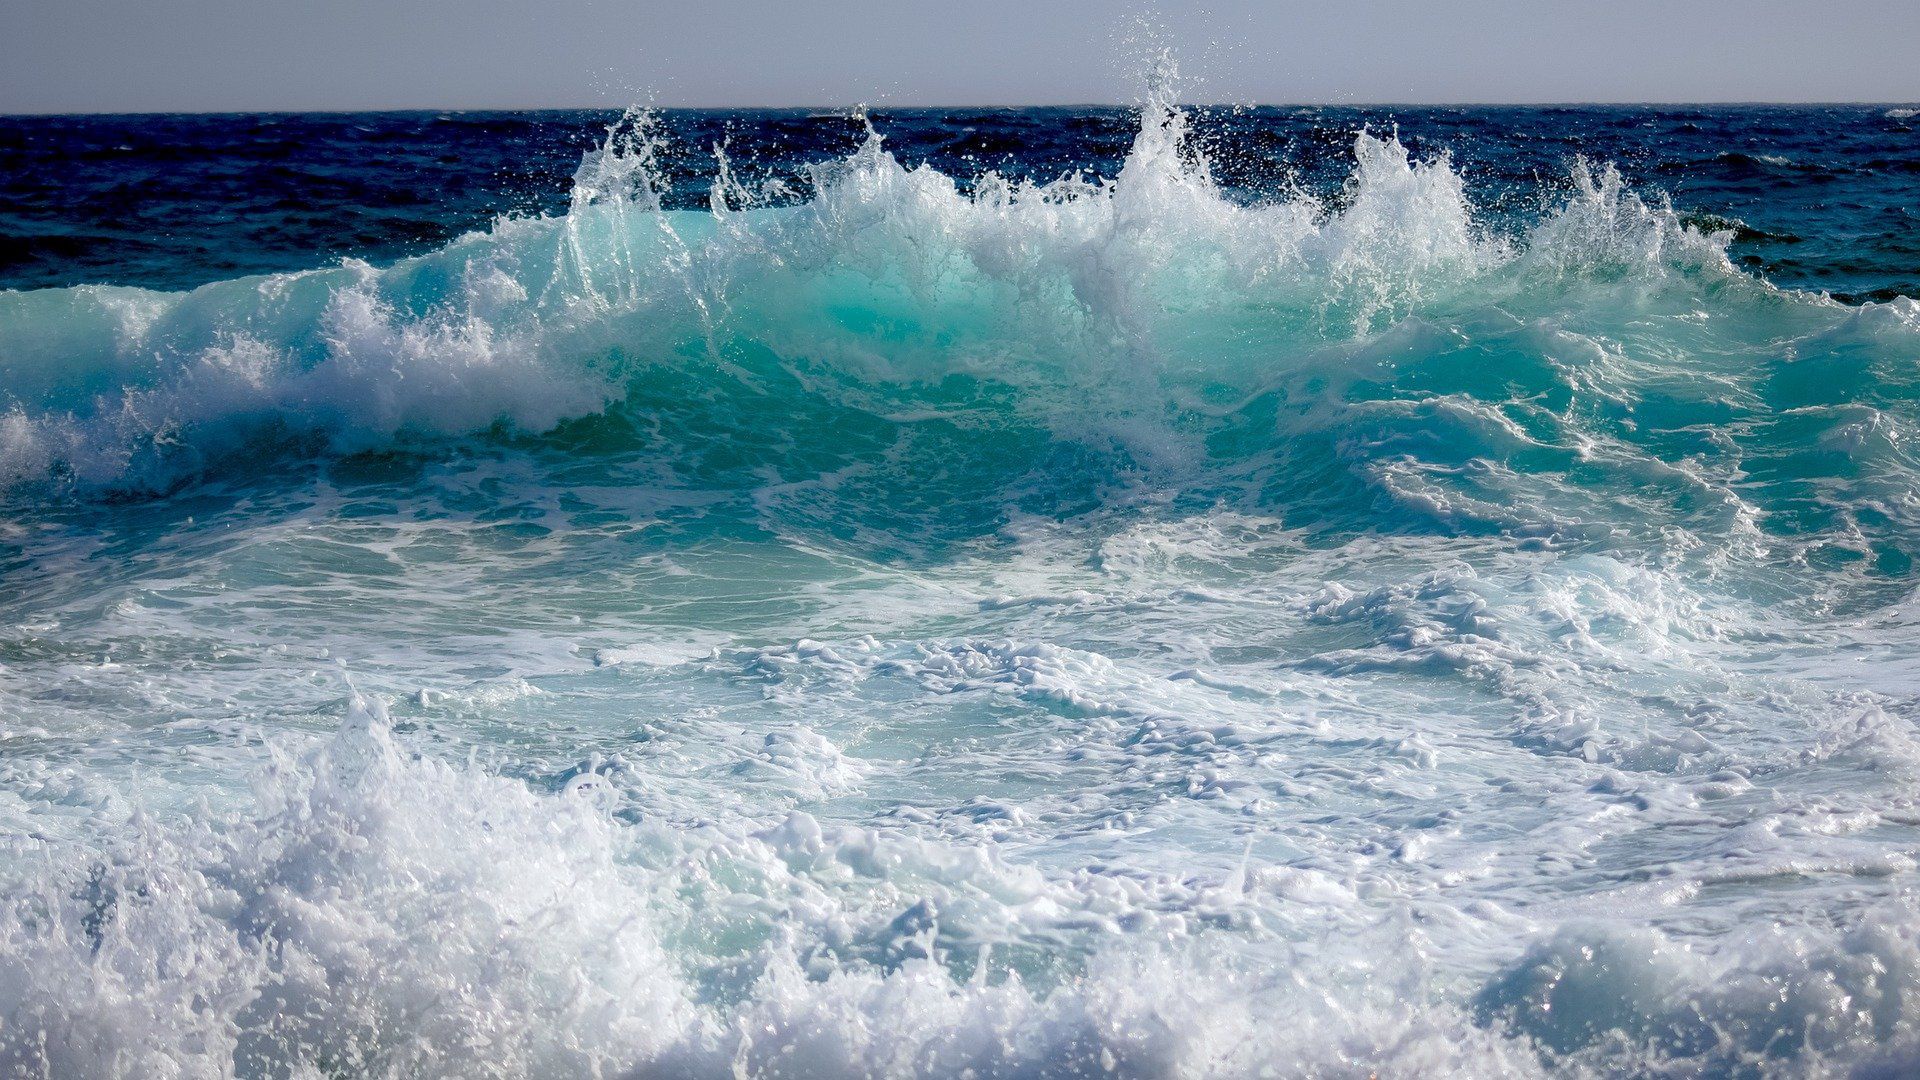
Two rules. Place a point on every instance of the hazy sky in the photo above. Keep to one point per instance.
(91, 55)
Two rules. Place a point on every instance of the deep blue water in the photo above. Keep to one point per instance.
(998, 594)
(1821, 197)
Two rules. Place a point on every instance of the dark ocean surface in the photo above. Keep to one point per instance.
(1820, 197)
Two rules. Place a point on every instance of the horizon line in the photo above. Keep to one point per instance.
(849, 108)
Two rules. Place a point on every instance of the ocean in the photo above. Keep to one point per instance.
(1147, 592)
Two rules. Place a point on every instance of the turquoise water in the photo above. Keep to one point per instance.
(1082, 627)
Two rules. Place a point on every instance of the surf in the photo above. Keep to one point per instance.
(938, 625)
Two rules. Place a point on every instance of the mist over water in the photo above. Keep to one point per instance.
(892, 623)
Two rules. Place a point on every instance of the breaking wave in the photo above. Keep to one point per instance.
(1137, 307)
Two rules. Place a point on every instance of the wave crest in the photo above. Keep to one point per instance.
(1109, 302)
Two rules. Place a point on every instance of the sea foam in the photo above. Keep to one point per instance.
(1105, 626)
